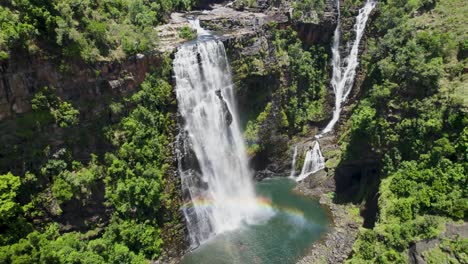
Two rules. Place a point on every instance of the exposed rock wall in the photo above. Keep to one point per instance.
(23, 75)
(322, 31)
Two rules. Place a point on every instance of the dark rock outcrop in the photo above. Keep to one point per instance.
(23, 75)
(320, 31)
(226, 113)
(452, 231)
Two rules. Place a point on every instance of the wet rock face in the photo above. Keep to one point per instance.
(184, 153)
(226, 113)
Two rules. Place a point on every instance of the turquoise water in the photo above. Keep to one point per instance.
(282, 239)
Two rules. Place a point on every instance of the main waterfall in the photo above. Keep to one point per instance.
(344, 71)
(220, 185)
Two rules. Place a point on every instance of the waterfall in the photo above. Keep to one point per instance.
(219, 186)
(344, 71)
(314, 161)
(293, 164)
(195, 23)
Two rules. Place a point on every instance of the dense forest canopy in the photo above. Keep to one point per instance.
(413, 116)
(91, 30)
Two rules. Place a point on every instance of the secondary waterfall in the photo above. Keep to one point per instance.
(344, 71)
(293, 164)
(220, 185)
(314, 161)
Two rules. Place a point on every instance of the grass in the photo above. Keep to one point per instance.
(450, 16)
(355, 213)
(436, 256)
(447, 16)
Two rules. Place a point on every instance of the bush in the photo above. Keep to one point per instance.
(414, 129)
(187, 33)
(64, 113)
(90, 30)
(9, 186)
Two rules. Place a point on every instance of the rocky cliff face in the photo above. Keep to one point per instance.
(322, 30)
(22, 75)
(89, 88)
(259, 77)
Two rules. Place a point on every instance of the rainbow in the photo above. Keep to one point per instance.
(262, 202)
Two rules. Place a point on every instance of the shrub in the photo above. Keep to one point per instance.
(187, 33)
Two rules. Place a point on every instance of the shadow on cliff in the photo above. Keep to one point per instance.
(357, 180)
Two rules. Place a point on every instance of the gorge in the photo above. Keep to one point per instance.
(221, 194)
(259, 131)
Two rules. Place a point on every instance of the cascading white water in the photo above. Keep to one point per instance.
(222, 192)
(195, 23)
(344, 71)
(293, 164)
(313, 162)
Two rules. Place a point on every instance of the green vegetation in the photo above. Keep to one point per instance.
(90, 30)
(241, 4)
(187, 33)
(62, 112)
(308, 10)
(51, 247)
(414, 124)
(306, 92)
(140, 196)
(300, 98)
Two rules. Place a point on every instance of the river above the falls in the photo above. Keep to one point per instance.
(284, 238)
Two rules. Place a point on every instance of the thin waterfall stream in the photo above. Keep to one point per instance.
(313, 162)
(293, 163)
(343, 76)
(344, 70)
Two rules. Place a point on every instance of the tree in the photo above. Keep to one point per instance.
(9, 186)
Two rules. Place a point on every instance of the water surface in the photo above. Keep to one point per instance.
(284, 238)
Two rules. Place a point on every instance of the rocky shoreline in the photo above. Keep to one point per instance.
(336, 245)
